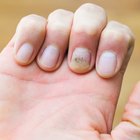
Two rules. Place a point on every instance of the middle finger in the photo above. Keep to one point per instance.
(89, 20)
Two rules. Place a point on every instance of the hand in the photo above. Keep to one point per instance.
(44, 99)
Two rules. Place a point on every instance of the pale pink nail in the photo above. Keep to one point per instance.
(24, 53)
(50, 56)
(107, 64)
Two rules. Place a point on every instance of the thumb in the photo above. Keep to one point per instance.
(129, 128)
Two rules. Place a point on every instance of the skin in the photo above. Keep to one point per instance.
(40, 103)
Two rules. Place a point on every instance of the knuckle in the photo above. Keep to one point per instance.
(29, 18)
(91, 7)
(86, 19)
(32, 22)
(113, 22)
(115, 35)
(60, 13)
(60, 20)
(121, 32)
(130, 34)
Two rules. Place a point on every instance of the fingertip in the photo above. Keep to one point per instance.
(80, 61)
(107, 64)
(49, 59)
(24, 54)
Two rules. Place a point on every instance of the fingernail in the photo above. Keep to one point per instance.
(50, 56)
(80, 61)
(107, 64)
(24, 53)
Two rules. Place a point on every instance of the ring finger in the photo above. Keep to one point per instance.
(56, 41)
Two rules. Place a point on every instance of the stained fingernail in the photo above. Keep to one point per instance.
(107, 64)
(80, 61)
(50, 56)
(24, 53)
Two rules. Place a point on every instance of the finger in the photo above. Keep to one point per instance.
(89, 21)
(129, 128)
(29, 37)
(115, 48)
(56, 41)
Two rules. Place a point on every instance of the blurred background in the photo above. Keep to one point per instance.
(125, 11)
